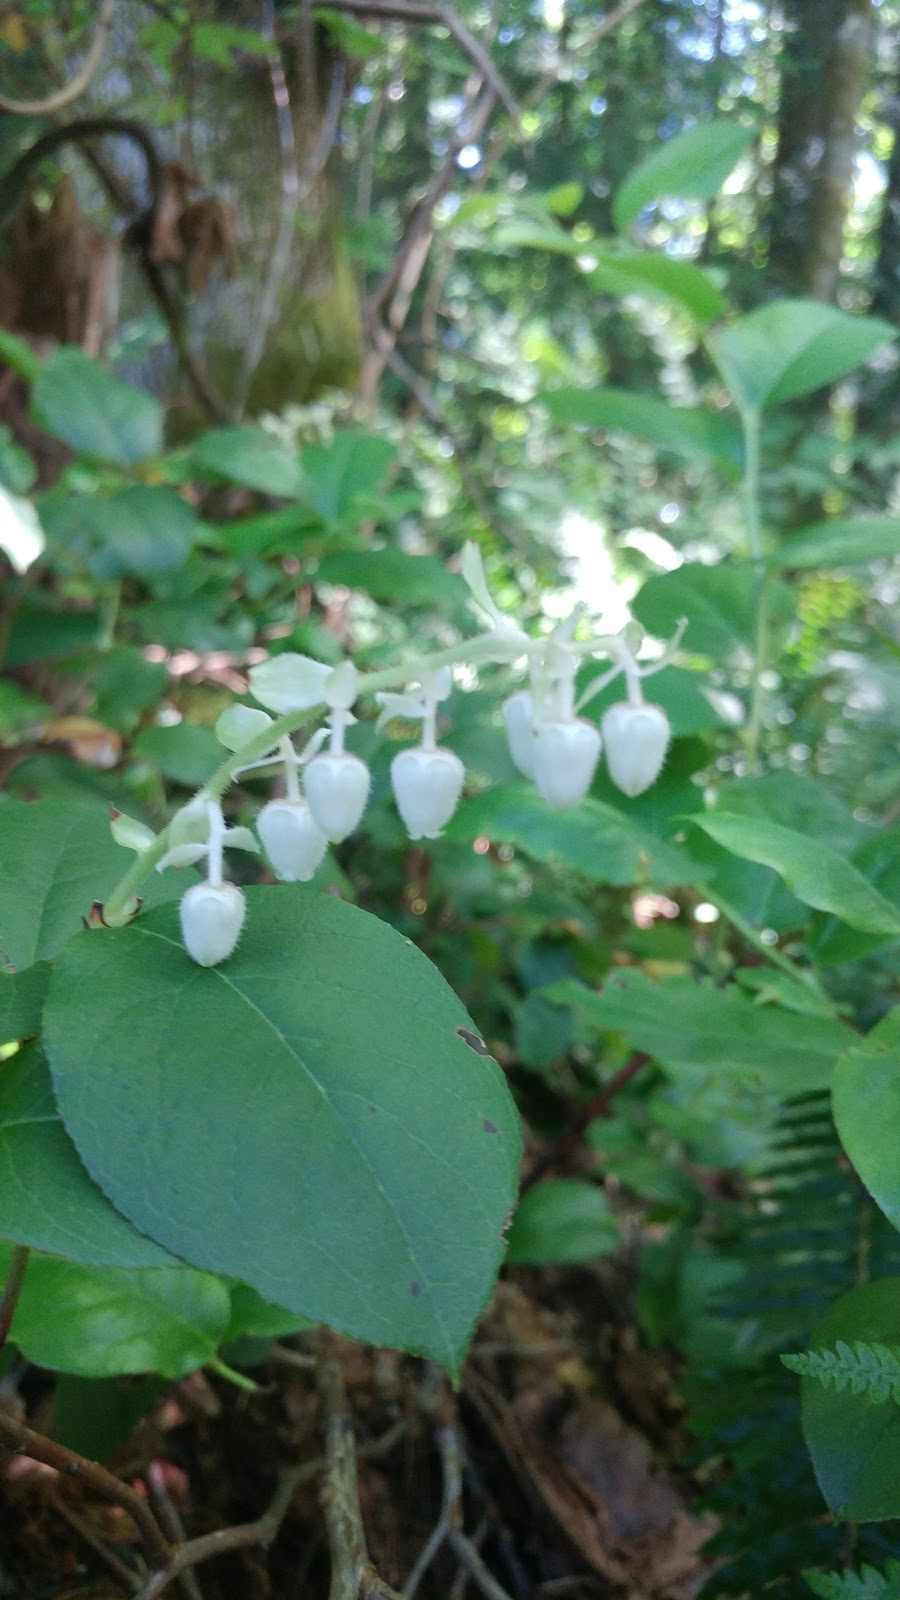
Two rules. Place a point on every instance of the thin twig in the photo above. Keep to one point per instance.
(598, 1106)
(15, 1277)
(449, 1527)
(122, 1572)
(261, 1532)
(172, 1525)
(20, 1439)
(76, 86)
(465, 1550)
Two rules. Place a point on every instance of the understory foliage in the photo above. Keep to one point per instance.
(343, 833)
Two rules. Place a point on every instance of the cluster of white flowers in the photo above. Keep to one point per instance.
(549, 741)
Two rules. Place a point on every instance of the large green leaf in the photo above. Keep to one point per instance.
(315, 1117)
(141, 532)
(594, 839)
(719, 604)
(353, 465)
(684, 1022)
(47, 1200)
(249, 456)
(816, 873)
(392, 575)
(842, 542)
(866, 1103)
(686, 430)
(56, 858)
(649, 271)
(691, 166)
(855, 1444)
(94, 413)
(100, 1321)
(792, 347)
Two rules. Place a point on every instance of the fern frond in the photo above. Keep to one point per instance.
(870, 1369)
(867, 1584)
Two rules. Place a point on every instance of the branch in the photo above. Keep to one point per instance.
(24, 1441)
(69, 91)
(598, 1106)
(449, 1527)
(352, 1575)
(262, 1531)
(444, 17)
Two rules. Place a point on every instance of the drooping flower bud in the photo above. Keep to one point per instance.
(212, 916)
(565, 760)
(518, 716)
(636, 739)
(337, 788)
(293, 842)
(427, 785)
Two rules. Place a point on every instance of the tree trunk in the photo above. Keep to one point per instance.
(824, 69)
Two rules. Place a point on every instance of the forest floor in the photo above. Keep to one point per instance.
(552, 1471)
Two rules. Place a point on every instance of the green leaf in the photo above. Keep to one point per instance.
(126, 685)
(22, 996)
(792, 347)
(867, 1584)
(686, 430)
(878, 859)
(643, 271)
(863, 1368)
(563, 1219)
(18, 354)
(56, 858)
(855, 1445)
(94, 1416)
(354, 464)
(595, 839)
(260, 1319)
(392, 575)
(187, 753)
(139, 532)
(691, 166)
(684, 1022)
(251, 457)
(315, 1117)
(47, 1200)
(94, 413)
(98, 1322)
(866, 1106)
(215, 41)
(815, 872)
(842, 542)
(719, 603)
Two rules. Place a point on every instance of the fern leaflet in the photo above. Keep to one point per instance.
(870, 1369)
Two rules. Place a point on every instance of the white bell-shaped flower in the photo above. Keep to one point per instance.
(518, 716)
(636, 739)
(427, 785)
(565, 760)
(212, 916)
(337, 788)
(293, 842)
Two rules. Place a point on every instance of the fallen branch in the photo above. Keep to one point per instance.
(352, 1575)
